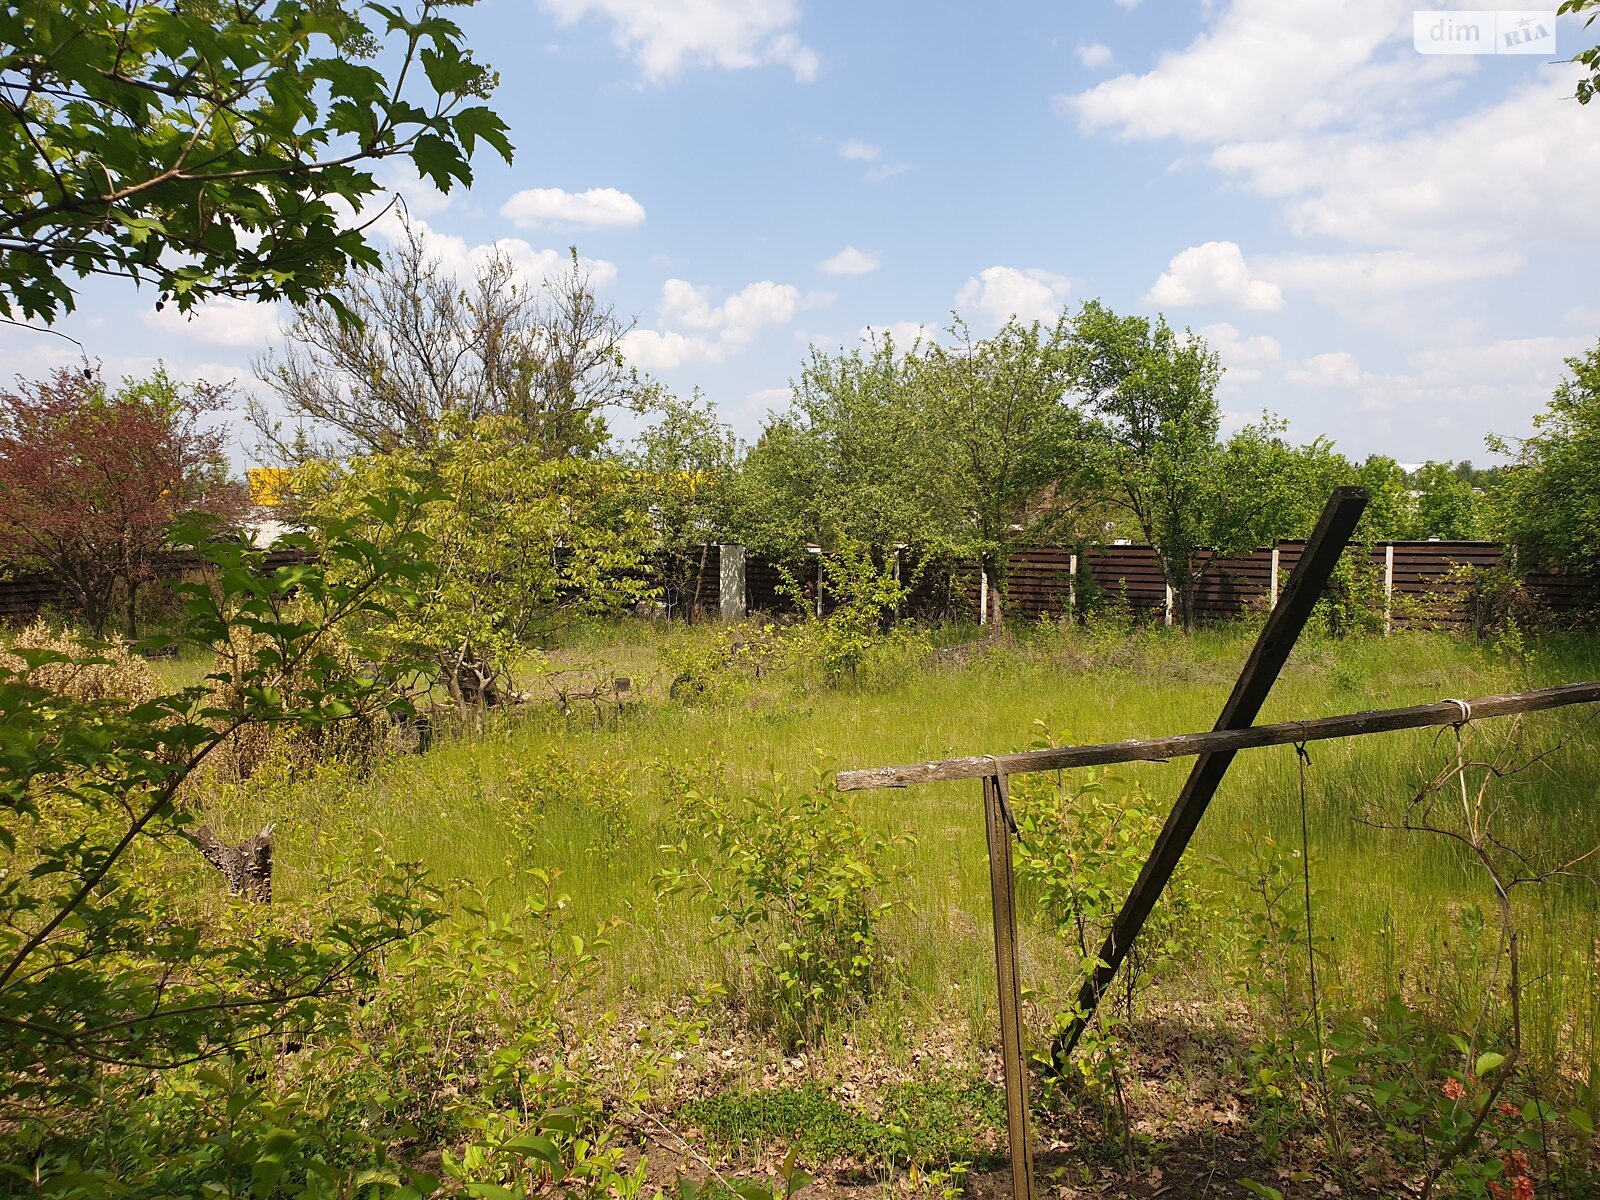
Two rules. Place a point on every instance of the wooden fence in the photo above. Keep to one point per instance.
(25, 597)
(1421, 584)
(1418, 583)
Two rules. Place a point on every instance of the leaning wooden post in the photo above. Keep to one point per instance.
(1288, 618)
(998, 828)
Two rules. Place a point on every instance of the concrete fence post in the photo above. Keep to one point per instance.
(1072, 583)
(1171, 596)
(983, 594)
(1272, 585)
(732, 593)
(1388, 588)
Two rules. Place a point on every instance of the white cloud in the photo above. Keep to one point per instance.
(1338, 369)
(653, 350)
(998, 293)
(887, 171)
(1525, 167)
(767, 400)
(1093, 54)
(903, 334)
(420, 197)
(553, 208)
(1337, 278)
(220, 321)
(851, 261)
(1585, 316)
(688, 307)
(856, 150)
(1538, 362)
(1497, 385)
(665, 36)
(1241, 356)
(720, 329)
(1267, 66)
(747, 312)
(1213, 274)
(534, 266)
(738, 318)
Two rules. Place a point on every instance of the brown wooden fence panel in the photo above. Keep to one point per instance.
(1432, 581)
(1231, 587)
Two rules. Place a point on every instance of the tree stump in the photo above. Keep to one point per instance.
(247, 867)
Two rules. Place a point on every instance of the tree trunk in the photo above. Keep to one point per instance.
(699, 575)
(133, 610)
(247, 867)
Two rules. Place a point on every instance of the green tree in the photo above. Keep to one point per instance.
(1154, 394)
(517, 543)
(1590, 58)
(1548, 503)
(1012, 450)
(216, 149)
(1388, 513)
(1261, 488)
(849, 464)
(427, 347)
(683, 468)
(1444, 504)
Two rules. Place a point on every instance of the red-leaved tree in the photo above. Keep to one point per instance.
(91, 480)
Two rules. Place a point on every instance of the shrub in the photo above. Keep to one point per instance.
(792, 879)
(277, 747)
(78, 669)
(713, 662)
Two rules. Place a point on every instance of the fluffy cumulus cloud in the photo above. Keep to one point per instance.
(1266, 66)
(1484, 384)
(851, 261)
(220, 321)
(1537, 361)
(1327, 111)
(663, 37)
(1213, 274)
(553, 208)
(1336, 370)
(533, 265)
(715, 330)
(1242, 356)
(903, 334)
(858, 151)
(1093, 54)
(1522, 168)
(1361, 276)
(997, 294)
(658, 350)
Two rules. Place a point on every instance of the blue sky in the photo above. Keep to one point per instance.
(1391, 249)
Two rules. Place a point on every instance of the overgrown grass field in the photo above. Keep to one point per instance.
(587, 795)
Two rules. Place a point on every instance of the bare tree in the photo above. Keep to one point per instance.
(427, 346)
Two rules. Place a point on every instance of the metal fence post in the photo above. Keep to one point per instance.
(998, 827)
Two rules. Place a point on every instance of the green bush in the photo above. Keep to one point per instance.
(797, 884)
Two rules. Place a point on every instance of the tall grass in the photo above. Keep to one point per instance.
(1404, 911)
